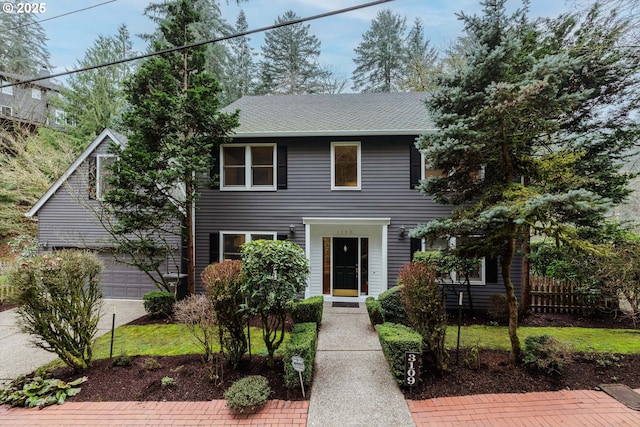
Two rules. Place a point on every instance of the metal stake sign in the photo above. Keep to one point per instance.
(298, 364)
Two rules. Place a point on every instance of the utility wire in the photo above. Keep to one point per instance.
(60, 16)
(192, 45)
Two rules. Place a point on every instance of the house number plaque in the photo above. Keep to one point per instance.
(411, 371)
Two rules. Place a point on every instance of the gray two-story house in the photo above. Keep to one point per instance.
(334, 173)
(29, 105)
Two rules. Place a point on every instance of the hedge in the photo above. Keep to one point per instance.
(307, 310)
(302, 342)
(396, 340)
(375, 311)
(392, 308)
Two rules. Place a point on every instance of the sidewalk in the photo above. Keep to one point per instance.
(353, 385)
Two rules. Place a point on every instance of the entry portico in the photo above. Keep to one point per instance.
(347, 257)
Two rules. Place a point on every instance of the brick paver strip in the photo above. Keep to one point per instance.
(213, 413)
(579, 408)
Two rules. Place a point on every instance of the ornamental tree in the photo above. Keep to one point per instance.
(175, 125)
(530, 134)
(275, 272)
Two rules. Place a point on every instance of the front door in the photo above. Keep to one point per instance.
(345, 267)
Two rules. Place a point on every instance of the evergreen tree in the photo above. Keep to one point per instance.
(175, 125)
(422, 61)
(290, 59)
(381, 57)
(530, 132)
(95, 99)
(239, 69)
(23, 44)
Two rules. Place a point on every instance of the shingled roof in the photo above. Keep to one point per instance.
(399, 113)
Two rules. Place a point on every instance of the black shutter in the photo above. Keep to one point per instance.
(415, 166)
(214, 173)
(282, 167)
(283, 237)
(491, 269)
(416, 245)
(214, 247)
(92, 176)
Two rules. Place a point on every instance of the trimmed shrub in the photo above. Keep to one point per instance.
(159, 304)
(302, 342)
(423, 302)
(498, 308)
(307, 310)
(60, 297)
(545, 353)
(375, 311)
(396, 340)
(223, 282)
(248, 393)
(196, 312)
(392, 308)
(275, 272)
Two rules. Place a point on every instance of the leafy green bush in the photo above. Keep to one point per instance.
(275, 272)
(307, 310)
(196, 312)
(421, 297)
(59, 296)
(122, 360)
(396, 340)
(159, 304)
(545, 353)
(375, 311)
(223, 282)
(39, 392)
(248, 393)
(392, 308)
(302, 342)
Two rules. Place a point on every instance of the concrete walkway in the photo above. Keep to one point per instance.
(353, 385)
(20, 357)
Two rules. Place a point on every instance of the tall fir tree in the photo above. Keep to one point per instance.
(175, 125)
(381, 57)
(239, 72)
(529, 135)
(290, 59)
(422, 61)
(95, 99)
(23, 44)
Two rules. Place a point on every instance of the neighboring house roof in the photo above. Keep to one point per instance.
(46, 83)
(398, 113)
(116, 137)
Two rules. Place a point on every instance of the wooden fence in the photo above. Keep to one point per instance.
(4, 266)
(550, 295)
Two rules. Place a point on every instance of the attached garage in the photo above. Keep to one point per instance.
(123, 281)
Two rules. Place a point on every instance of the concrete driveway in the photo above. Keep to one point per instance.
(20, 357)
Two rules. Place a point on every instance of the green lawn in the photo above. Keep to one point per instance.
(161, 340)
(623, 341)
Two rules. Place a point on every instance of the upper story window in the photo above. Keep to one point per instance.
(103, 172)
(248, 167)
(6, 111)
(232, 241)
(346, 166)
(6, 90)
(36, 93)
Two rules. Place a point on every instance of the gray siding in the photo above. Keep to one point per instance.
(24, 106)
(385, 193)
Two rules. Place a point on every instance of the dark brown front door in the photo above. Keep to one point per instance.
(345, 267)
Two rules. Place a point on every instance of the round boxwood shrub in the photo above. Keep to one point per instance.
(392, 308)
(159, 304)
(248, 393)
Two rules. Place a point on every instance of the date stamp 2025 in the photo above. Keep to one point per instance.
(24, 7)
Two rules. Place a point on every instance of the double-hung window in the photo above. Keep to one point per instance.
(346, 166)
(476, 273)
(6, 90)
(232, 241)
(248, 167)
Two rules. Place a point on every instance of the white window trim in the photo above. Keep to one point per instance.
(247, 238)
(333, 166)
(6, 90)
(99, 158)
(36, 93)
(247, 169)
(454, 274)
(2, 107)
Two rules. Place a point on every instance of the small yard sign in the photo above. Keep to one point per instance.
(298, 364)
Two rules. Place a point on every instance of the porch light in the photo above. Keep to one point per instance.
(292, 229)
(403, 232)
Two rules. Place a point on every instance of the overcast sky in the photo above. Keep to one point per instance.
(71, 35)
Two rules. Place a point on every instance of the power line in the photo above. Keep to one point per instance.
(189, 46)
(61, 15)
